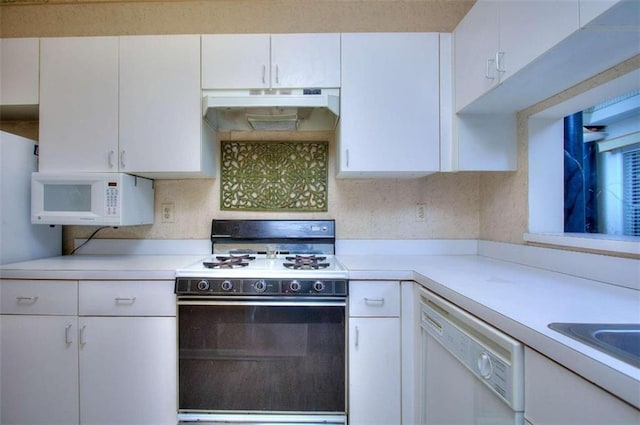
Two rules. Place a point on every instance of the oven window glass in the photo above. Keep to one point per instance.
(262, 358)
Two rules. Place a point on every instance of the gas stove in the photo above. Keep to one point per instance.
(240, 265)
(262, 326)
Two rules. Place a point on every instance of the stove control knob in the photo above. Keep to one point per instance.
(226, 285)
(318, 285)
(203, 285)
(260, 285)
(294, 285)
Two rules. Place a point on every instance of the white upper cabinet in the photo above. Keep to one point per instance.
(389, 114)
(128, 104)
(305, 60)
(235, 61)
(528, 28)
(79, 104)
(19, 71)
(160, 106)
(263, 61)
(476, 44)
(496, 39)
(542, 49)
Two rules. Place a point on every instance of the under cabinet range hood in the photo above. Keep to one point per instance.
(272, 110)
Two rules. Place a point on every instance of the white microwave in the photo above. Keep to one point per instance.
(91, 199)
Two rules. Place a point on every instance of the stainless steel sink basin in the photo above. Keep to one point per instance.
(620, 340)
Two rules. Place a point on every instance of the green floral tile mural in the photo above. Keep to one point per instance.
(274, 176)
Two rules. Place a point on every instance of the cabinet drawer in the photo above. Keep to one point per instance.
(380, 299)
(52, 297)
(127, 298)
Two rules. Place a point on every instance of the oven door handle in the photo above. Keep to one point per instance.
(281, 303)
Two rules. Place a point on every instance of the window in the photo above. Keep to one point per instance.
(546, 168)
(631, 192)
(598, 185)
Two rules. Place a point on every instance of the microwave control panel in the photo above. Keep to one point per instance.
(112, 200)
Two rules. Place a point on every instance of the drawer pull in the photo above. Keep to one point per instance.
(374, 301)
(67, 335)
(125, 300)
(26, 300)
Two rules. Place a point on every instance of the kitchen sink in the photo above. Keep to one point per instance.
(621, 340)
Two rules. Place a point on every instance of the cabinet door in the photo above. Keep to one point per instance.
(79, 104)
(528, 28)
(19, 71)
(39, 363)
(389, 118)
(374, 371)
(476, 42)
(555, 395)
(160, 104)
(235, 61)
(305, 60)
(128, 370)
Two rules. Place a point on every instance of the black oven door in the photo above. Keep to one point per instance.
(262, 356)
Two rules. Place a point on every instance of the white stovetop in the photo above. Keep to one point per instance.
(264, 268)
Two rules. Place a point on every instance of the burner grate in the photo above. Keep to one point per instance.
(305, 262)
(229, 262)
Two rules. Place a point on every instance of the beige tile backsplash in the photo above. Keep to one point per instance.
(366, 209)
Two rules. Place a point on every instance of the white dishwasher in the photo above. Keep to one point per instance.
(471, 373)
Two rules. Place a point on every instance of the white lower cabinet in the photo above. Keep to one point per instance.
(39, 370)
(556, 396)
(39, 352)
(374, 353)
(127, 370)
(89, 352)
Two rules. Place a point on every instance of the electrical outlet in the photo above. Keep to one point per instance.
(168, 213)
(421, 212)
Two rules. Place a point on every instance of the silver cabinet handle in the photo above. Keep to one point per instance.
(264, 74)
(374, 301)
(357, 342)
(110, 158)
(67, 335)
(346, 154)
(499, 61)
(26, 300)
(487, 73)
(125, 300)
(122, 158)
(277, 74)
(83, 341)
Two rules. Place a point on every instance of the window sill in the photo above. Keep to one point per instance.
(626, 245)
